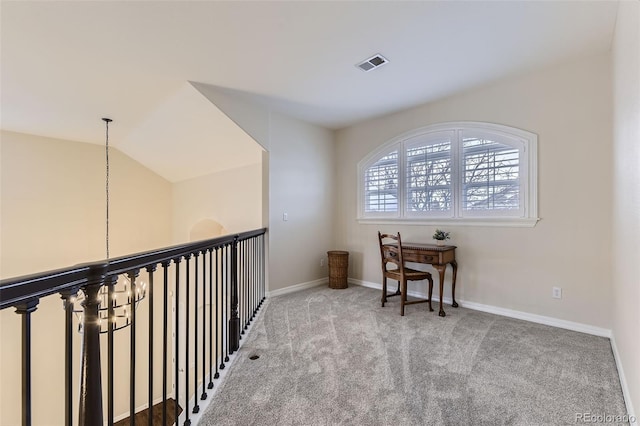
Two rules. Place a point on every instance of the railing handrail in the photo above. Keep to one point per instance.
(24, 288)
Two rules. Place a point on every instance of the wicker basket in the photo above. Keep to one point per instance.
(338, 268)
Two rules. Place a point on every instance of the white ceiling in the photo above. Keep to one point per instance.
(64, 65)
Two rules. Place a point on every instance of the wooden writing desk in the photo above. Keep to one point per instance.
(438, 257)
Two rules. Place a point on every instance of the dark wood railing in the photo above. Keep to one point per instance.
(220, 284)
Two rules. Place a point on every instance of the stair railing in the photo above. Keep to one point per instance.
(208, 293)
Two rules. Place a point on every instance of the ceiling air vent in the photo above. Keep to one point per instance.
(372, 63)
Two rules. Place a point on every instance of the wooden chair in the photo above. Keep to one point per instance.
(391, 253)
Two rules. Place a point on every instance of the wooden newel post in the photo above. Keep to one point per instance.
(234, 321)
(90, 374)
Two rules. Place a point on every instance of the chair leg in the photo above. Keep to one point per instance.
(403, 297)
(384, 290)
(398, 289)
(430, 292)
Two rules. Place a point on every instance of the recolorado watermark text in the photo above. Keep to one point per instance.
(604, 418)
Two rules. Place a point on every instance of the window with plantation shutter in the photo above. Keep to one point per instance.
(491, 175)
(472, 173)
(381, 185)
(428, 172)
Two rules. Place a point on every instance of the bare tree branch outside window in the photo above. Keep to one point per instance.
(381, 185)
(491, 175)
(429, 177)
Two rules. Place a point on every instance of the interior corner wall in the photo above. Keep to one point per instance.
(252, 117)
(626, 199)
(301, 178)
(569, 107)
(232, 197)
(52, 204)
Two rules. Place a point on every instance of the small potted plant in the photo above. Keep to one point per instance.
(440, 237)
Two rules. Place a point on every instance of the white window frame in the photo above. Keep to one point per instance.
(526, 142)
(361, 188)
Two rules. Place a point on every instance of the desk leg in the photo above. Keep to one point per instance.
(454, 265)
(441, 269)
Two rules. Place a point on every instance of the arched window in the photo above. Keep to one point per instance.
(452, 172)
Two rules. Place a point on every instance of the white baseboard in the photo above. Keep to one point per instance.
(540, 319)
(623, 380)
(297, 287)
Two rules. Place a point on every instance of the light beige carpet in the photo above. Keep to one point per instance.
(335, 357)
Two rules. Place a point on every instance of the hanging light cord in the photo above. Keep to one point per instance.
(107, 121)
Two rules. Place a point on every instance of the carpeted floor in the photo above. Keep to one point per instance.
(329, 357)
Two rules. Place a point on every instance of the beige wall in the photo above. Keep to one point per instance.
(626, 197)
(53, 215)
(301, 180)
(569, 108)
(299, 172)
(53, 204)
(233, 198)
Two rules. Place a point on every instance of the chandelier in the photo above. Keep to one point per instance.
(126, 290)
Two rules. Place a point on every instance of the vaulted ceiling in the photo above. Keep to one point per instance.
(66, 64)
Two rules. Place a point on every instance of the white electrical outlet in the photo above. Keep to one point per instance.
(556, 293)
(322, 262)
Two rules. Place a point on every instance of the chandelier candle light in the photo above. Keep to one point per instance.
(120, 294)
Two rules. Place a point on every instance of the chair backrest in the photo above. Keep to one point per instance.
(391, 250)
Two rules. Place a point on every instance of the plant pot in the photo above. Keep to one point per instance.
(439, 242)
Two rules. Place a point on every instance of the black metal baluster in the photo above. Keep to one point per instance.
(245, 267)
(187, 257)
(211, 354)
(196, 407)
(25, 310)
(218, 311)
(132, 350)
(110, 283)
(245, 284)
(263, 272)
(176, 327)
(204, 324)
(68, 297)
(238, 271)
(234, 320)
(252, 275)
(249, 270)
(223, 314)
(256, 276)
(259, 271)
(249, 281)
(151, 269)
(227, 278)
(252, 281)
(165, 338)
(254, 285)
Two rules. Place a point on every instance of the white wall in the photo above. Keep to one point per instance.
(626, 198)
(233, 198)
(569, 107)
(52, 216)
